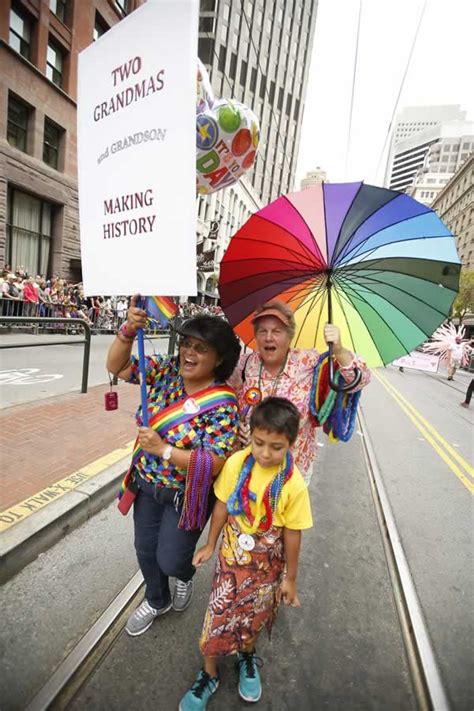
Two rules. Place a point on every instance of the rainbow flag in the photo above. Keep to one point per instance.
(160, 308)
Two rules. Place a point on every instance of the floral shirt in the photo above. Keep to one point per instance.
(294, 383)
(214, 430)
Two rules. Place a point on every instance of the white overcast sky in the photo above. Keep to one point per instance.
(441, 72)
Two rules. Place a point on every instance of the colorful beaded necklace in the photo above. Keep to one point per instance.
(238, 503)
(334, 412)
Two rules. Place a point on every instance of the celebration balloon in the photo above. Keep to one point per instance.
(205, 96)
(227, 137)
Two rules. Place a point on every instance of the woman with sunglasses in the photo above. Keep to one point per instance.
(193, 417)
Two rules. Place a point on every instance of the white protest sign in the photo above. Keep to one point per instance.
(419, 361)
(137, 153)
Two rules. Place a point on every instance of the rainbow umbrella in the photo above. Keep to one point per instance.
(377, 263)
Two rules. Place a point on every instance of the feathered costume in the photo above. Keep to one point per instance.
(446, 338)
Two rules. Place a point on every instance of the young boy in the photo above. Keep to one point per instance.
(262, 505)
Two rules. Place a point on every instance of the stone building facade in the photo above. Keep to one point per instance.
(39, 45)
(455, 206)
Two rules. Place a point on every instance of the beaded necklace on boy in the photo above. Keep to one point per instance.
(239, 501)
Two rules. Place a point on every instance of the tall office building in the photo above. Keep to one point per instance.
(416, 128)
(257, 53)
(39, 45)
(439, 150)
(313, 177)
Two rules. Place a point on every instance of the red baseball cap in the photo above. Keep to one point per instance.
(270, 311)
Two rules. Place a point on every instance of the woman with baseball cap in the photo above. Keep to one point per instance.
(276, 369)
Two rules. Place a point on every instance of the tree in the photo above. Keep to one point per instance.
(464, 301)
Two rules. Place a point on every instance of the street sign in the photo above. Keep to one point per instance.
(137, 154)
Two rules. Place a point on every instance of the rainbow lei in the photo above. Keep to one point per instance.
(196, 493)
(334, 412)
(239, 501)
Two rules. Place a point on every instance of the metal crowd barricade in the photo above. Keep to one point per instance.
(7, 320)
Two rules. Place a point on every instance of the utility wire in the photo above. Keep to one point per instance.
(266, 90)
(352, 95)
(401, 88)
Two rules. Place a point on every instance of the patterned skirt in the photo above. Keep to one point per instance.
(245, 591)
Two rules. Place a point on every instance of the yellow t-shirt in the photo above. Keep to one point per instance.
(293, 509)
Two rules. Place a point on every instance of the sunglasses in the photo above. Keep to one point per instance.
(188, 344)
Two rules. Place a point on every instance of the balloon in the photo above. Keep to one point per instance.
(227, 137)
(205, 96)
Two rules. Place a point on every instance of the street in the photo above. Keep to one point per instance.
(28, 374)
(345, 642)
(430, 491)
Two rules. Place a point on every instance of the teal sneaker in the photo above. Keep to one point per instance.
(250, 686)
(199, 694)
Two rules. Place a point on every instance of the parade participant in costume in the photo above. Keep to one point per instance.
(299, 375)
(262, 505)
(446, 342)
(193, 417)
(455, 356)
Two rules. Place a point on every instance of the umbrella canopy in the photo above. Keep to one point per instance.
(388, 261)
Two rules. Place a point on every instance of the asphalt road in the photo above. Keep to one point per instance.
(29, 374)
(424, 446)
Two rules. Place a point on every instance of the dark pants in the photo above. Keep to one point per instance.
(469, 392)
(163, 550)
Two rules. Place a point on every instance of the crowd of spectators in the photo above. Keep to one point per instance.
(25, 295)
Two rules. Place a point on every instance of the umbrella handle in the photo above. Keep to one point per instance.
(347, 386)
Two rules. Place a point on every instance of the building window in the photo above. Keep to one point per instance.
(206, 46)
(263, 86)
(20, 33)
(17, 128)
(59, 7)
(100, 27)
(206, 24)
(123, 6)
(280, 98)
(208, 5)
(51, 143)
(222, 58)
(297, 110)
(271, 96)
(54, 64)
(233, 66)
(289, 99)
(253, 80)
(29, 232)
(243, 73)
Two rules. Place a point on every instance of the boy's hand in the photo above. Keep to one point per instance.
(203, 555)
(288, 593)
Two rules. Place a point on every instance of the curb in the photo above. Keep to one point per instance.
(22, 543)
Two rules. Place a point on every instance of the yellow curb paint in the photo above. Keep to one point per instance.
(455, 455)
(460, 475)
(34, 503)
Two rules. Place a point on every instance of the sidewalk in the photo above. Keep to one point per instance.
(59, 454)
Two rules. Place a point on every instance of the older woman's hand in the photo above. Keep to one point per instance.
(244, 432)
(333, 335)
(136, 318)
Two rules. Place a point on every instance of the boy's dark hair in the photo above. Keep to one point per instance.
(276, 414)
